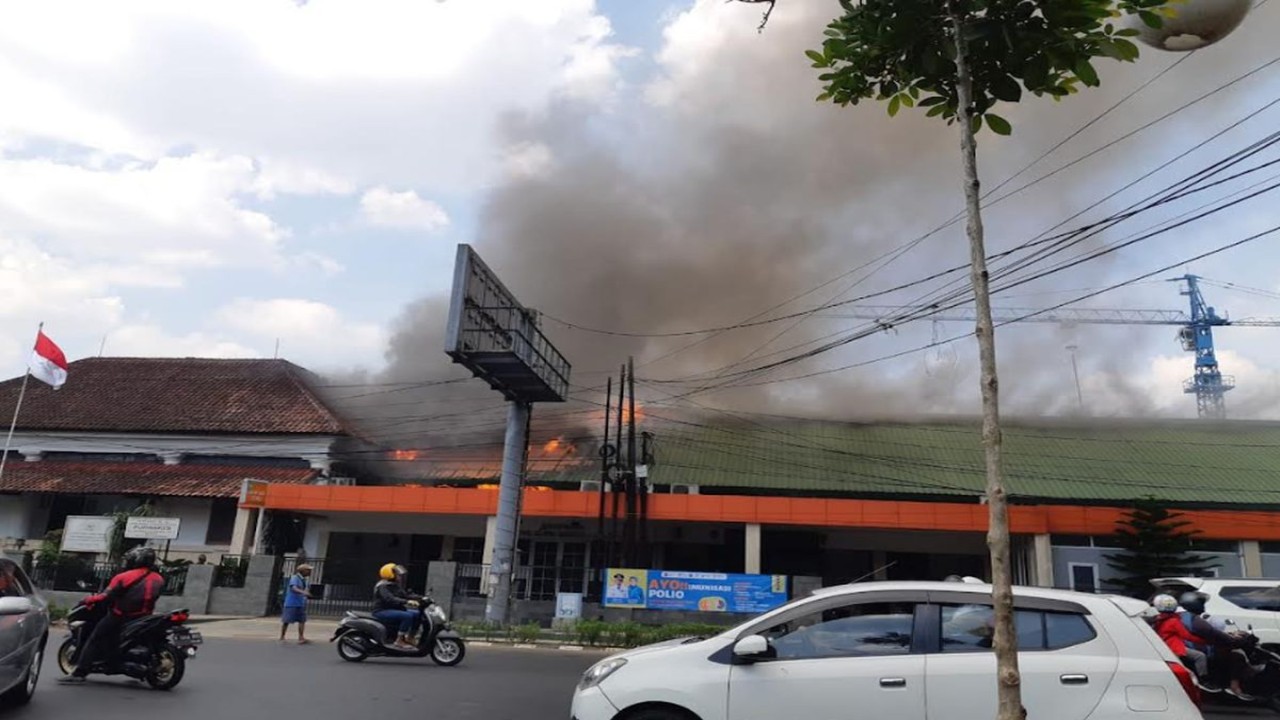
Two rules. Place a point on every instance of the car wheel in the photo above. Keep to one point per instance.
(660, 713)
(22, 693)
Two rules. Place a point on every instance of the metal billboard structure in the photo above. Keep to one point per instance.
(495, 337)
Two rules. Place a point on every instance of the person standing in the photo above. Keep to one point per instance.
(296, 594)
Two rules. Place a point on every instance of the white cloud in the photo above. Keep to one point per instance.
(401, 92)
(305, 329)
(387, 208)
(528, 160)
(146, 340)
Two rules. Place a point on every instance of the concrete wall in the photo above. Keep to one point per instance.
(16, 514)
(260, 584)
(1229, 564)
(194, 597)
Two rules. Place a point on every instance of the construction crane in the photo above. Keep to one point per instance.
(1195, 332)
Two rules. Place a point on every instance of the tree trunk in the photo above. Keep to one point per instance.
(1008, 680)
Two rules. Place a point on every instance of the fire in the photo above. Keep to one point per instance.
(404, 454)
(552, 445)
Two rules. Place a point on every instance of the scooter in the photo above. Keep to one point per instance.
(1263, 685)
(154, 649)
(360, 635)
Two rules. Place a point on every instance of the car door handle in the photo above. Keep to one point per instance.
(893, 682)
(1074, 679)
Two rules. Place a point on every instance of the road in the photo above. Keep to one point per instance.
(260, 679)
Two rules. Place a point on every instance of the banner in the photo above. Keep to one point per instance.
(693, 591)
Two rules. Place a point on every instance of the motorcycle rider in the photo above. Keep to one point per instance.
(1229, 647)
(130, 594)
(395, 606)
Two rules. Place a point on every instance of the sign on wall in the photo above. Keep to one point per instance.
(87, 533)
(253, 494)
(693, 591)
(152, 528)
(568, 606)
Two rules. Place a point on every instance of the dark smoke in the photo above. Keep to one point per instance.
(740, 192)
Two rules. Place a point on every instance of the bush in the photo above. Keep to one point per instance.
(527, 633)
(57, 613)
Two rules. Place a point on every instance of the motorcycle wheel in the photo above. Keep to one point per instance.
(66, 652)
(170, 666)
(349, 649)
(448, 652)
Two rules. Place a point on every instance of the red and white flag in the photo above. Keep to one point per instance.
(47, 362)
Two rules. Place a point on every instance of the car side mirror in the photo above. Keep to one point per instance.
(752, 648)
(15, 606)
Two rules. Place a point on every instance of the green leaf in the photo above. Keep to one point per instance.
(894, 105)
(936, 110)
(1084, 70)
(823, 97)
(1006, 89)
(833, 33)
(1111, 50)
(975, 123)
(932, 100)
(1128, 49)
(999, 125)
(1151, 19)
(819, 60)
(906, 100)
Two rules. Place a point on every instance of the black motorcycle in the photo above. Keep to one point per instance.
(360, 635)
(154, 649)
(1262, 685)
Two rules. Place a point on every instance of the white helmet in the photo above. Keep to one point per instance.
(1165, 603)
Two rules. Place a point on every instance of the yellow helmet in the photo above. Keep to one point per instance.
(390, 571)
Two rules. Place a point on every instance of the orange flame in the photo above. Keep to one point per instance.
(552, 445)
(404, 454)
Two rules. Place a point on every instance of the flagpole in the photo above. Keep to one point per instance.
(8, 441)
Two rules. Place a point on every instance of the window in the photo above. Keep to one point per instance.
(867, 629)
(222, 522)
(10, 585)
(1084, 577)
(468, 551)
(1253, 597)
(970, 628)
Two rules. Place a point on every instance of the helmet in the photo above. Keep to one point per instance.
(1193, 602)
(390, 571)
(1165, 603)
(140, 557)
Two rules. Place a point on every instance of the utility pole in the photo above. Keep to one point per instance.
(1075, 370)
(633, 496)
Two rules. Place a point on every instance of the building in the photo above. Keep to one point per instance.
(825, 502)
(180, 434)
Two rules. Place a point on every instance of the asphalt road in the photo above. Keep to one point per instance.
(253, 679)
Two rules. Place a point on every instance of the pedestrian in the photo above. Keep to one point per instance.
(296, 593)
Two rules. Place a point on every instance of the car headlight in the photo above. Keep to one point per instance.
(601, 670)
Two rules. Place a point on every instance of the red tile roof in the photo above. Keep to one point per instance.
(181, 395)
(122, 478)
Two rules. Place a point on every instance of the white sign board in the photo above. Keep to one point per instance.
(568, 606)
(152, 528)
(87, 533)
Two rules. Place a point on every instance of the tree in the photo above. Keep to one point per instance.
(1154, 542)
(117, 543)
(958, 59)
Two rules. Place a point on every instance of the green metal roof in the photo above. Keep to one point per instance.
(1184, 462)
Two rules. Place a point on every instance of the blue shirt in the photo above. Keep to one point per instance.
(293, 598)
(635, 595)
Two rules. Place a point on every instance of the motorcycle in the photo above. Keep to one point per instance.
(154, 648)
(360, 635)
(1262, 685)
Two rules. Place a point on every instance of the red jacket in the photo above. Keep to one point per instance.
(1170, 629)
(132, 593)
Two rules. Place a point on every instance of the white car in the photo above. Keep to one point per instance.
(901, 650)
(1247, 602)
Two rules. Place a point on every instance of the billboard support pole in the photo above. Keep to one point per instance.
(504, 543)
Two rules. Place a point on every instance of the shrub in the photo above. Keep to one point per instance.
(527, 633)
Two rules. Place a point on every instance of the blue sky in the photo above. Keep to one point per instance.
(208, 178)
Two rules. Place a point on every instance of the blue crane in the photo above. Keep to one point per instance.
(1195, 332)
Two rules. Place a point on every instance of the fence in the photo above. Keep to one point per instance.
(539, 582)
(87, 577)
(340, 584)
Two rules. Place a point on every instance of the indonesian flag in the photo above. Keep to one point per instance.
(47, 362)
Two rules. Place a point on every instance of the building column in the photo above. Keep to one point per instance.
(751, 559)
(1251, 557)
(880, 565)
(490, 537)
(242, 535)
(1042, 551)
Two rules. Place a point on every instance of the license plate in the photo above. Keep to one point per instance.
(188, 638)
